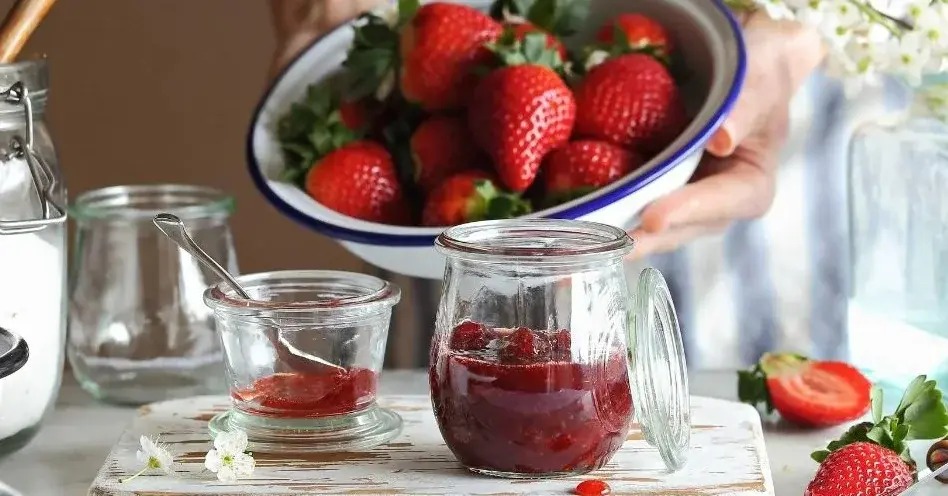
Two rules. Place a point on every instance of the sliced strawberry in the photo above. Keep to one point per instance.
(813, 393)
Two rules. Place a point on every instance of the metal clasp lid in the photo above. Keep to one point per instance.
(44, 180)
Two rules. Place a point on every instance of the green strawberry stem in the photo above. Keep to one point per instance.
(920, 415)
(532, 49)
(559, 17)
(493, 204)
(312, 129)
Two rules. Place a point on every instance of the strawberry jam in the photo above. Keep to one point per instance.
(522, 404)
(320, 394)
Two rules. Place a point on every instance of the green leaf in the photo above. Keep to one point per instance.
(752, 388)
(532, 49)
(876, 400)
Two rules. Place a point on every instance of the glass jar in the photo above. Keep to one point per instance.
(898, 302)
(32, 251)
(14, 353)
(541, 353)
(303, 359)
(139, 330)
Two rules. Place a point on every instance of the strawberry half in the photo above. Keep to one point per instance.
(584, 166)
(440, 48)
(635, 32)
(806, 392)
(359, 180)
(440, 147)
(470, 196)
(873, 458)
(631, 101)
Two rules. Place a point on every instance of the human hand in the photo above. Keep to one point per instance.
(736, 178)
(298, 22)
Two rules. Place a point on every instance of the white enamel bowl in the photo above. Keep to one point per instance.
(707, 39)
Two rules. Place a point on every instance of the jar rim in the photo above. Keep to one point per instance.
(534, 239)
(372, 292)
(143, 202)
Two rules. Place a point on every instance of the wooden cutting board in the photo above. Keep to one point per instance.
(728, 457)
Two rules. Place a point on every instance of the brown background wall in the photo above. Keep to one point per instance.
(159, 91)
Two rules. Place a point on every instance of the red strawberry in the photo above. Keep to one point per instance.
(440, 48)
(440, 147)
(861, 469)
(631, 101)
(522, 29)
(636, 32)
(583, 166)
(470, 196)
(806, 392)
(359, 180)
(356, 114)
(523, 112)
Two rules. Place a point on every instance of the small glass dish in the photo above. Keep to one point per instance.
(282, 396)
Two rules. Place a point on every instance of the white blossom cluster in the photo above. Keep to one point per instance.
(870, 38)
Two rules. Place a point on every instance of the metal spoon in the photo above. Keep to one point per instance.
(172, 227)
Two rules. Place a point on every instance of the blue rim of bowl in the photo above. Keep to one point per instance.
(576, 211)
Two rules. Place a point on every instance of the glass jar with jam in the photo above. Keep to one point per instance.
(303, 358)
(543, 355)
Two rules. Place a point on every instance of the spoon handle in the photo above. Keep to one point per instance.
(21, 21)
(172, 226)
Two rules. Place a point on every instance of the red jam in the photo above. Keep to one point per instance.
(516, 402)
(322, 394)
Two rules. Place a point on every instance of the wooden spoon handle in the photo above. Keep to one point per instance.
(19, 25)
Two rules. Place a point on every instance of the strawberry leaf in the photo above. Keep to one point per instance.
(532, 49)
(752, 388)
(490, 203)
(921, 414)
(559, 17)
(406, 11)
(373, 56)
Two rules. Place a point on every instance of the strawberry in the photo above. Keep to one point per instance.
(630, 101)
(873, 458)
(523, 112)
(440, 147)
(861, 469)
(470, 196)
(635, 32)
(440, 48)
(584, 166)
(806, 392)
(522, 29)
(359, 180)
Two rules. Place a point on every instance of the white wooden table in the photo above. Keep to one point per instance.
(65, 457)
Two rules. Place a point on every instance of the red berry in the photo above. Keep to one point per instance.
(561, 343)
(525, 346)
(593, 487)
(469, 336)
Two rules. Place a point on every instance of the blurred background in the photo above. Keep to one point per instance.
(162, 92)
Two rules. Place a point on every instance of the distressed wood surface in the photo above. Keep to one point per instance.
(728, 457)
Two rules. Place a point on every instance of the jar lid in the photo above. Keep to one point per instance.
(657, 365)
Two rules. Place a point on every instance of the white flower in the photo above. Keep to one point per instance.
(229, 459)
(777, 9)
(155, 456)
(936, 99)
(908, 57)
(595, 58)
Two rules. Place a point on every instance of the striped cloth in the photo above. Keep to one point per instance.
(776, 283)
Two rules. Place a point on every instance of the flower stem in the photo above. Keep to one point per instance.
(874, 15)
(140, 472)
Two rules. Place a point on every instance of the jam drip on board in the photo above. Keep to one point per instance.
(516, 401)
(309, 395)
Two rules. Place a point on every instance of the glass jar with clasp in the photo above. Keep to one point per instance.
(541, 350)
(32, 251)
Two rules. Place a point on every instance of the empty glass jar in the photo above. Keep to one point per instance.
(303, 359)
(542, 353)
(139, 330)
